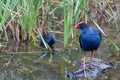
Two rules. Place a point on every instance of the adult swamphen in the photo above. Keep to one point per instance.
(49, 38)
(90, 39)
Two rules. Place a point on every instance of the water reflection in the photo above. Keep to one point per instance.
(29, 62)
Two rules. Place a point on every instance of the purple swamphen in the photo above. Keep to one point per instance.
(90, 39)
(49, 38)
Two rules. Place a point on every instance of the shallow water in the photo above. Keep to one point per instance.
(29, 62)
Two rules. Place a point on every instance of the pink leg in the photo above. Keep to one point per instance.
(84, 66)
(91, 58)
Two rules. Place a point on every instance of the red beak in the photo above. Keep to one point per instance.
(77, 26)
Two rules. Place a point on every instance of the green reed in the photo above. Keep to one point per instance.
(72, 14)
(30, 12)
(31, 16)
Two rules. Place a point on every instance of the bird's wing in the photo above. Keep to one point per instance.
(97, 31)
(89, 35)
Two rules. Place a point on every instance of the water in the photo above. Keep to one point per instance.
(29, 62)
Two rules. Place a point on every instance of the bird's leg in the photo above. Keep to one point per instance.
(84, 64)
(91, 60)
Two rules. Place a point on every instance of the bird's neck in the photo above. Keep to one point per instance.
(85, 28)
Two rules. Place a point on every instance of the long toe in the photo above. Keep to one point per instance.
(93, 65)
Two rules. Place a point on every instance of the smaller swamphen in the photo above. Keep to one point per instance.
(90, 39)
(49, 38)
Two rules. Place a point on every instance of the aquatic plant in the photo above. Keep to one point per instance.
(23, 20)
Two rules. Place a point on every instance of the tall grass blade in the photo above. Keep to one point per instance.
(68, 19)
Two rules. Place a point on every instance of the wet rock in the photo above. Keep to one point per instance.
(92, 72)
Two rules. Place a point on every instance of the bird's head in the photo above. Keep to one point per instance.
(81, 25)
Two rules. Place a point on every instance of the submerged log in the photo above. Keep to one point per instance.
(93, 71)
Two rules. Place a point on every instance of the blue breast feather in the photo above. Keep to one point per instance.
(90, 39)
